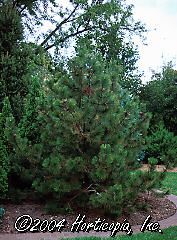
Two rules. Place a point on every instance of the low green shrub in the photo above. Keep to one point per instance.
(162, 145)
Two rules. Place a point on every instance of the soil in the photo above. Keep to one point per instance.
(158, 207)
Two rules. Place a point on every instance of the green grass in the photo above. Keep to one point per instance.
(170, 183)
(168, 234)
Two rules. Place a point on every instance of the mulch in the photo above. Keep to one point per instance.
(158, 207)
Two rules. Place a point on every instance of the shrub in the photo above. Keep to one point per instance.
(162, 145)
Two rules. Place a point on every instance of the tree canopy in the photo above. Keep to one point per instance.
(160, 96)
(108, 24)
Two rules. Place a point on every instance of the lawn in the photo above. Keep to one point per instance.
(168, 234)
(170, 183)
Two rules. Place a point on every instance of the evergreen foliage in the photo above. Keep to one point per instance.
(13, 61)
(21, 137)
(70, 132)
(4, 160)
(92, 132)
(18, 60)
(160, 96)
(162, 145)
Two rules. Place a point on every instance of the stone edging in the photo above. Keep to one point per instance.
(165, 223)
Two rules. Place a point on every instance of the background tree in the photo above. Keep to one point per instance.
(13, 63)
(22, 73)
(18, 59)
(109, 24)
(160, 96)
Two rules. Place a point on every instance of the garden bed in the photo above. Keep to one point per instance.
(158, 207)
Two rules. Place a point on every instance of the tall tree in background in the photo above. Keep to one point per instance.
(21, 71)
(12, 68)
(14, 60)
(160, 96)
(109, 24)
(18, 59)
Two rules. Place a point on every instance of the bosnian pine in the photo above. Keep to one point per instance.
(92, 132)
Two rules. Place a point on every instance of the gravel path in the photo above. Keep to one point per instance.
(171, 221)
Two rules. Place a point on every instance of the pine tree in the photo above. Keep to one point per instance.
(91, 136)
